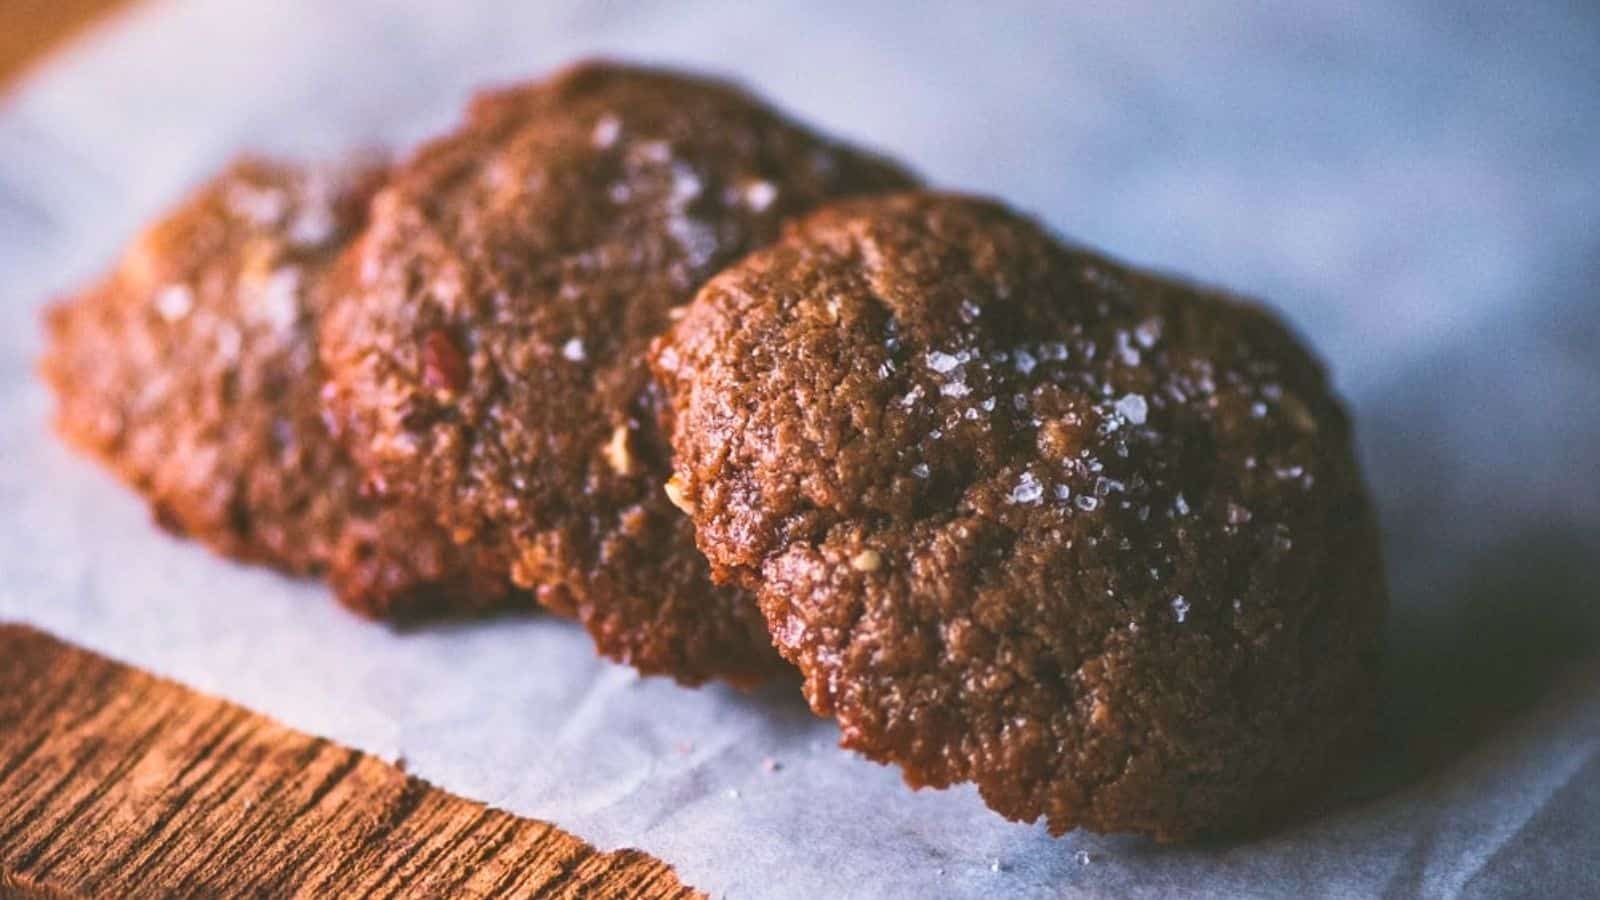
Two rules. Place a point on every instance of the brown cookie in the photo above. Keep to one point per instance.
(490, 359)
(1026, 517)
(191, 371)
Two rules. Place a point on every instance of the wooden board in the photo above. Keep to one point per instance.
(30, 28)
(116, 783)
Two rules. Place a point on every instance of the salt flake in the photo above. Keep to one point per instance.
(1133, 408)
(279, 299)
(942, 362)
(174, 302)
(606, 130)
(1180, 608)
(758, 195)
(1028, 489)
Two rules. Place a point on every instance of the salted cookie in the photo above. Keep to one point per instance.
(490, 356)
(191, 371)
(1026, 517)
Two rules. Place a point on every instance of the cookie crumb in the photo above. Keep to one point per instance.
(675, 493)
(616, 451)
(867, 561)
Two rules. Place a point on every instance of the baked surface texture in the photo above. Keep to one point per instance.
(191, 372)
(490, 356)
(1023, 516)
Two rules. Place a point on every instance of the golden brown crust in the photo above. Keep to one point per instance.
(191, 372)
(490, 358)
(1026, 517)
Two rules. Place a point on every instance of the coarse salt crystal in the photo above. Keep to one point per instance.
(606, 130)
(262, 207)
(1148, 332)
(229, 342)
(942, 362)
(655, 151)
(313, 226)
(279, 298)
(574, 351)
(1133, 408)
(174, 302)
(1028, 489)
(758, 195)
(686, 184)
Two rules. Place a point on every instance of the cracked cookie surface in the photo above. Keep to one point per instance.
(1024, 516)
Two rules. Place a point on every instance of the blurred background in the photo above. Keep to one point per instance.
(1415, 185)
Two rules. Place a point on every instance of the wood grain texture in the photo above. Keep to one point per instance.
(30, 28)
(116, 783)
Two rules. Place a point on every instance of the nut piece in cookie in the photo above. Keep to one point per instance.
(1026, 517)
(191, 372)
(490, 356)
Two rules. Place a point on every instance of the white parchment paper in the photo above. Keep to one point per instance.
(1416, 186)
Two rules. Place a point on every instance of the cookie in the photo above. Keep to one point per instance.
(490, 359)
(1024, 516)
(191, 371)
